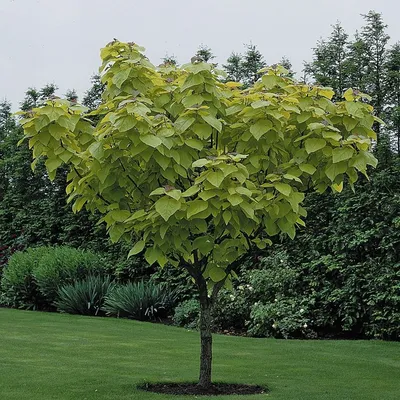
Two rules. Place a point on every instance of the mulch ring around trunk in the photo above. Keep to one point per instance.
(216, 389)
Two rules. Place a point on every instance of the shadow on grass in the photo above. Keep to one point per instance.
(192, 388)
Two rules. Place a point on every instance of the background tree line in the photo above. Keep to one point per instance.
(342, 269)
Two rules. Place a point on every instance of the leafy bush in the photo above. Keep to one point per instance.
(65, 265)
(273, 278)
(18, 286)
(142, 300)
(132, 269)
(85, 296)
(187, 314)
(176, 280)
(282, 318)
(232, 310)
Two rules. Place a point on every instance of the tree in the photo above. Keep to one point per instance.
(375, 38)
(392, 90)
(329, 65)
(204, 54)
(92, 98)
(170, 60)
(253, 62)
(234, 67)
(357, 63)
(285, 62)
(33, 98)
(195, 171)
(7, 125)
(246, 69)
(71, 95)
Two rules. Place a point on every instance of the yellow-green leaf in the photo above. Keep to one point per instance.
(283, 188)
(151, 140)
(137, 248)
(196, 207)
(313, 145)
(341, 154)
(217, 274)
(215, 178)
(167, 206)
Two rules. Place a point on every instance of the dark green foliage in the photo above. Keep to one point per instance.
(245, 68)
(65, 265)
(283, 319)
(136, 268)
(175, 280)
(252, 62)
(187, 314)
(18, 284)
(359, 63)
(347, 259)
(265, 301)
(71, 95)
(330, 66)
(392, 89)
(234, 68)
(32, 278)
(139, 300)
(286, 63)
(84, 296)
(92, 98)
(232, 311)
(204, 54)
(170, 60)
(374, 35)
(33, 210)
(33, 98)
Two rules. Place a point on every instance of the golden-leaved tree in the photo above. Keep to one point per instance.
(195, 172)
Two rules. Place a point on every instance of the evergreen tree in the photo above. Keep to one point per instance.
(33, 97)
(329, 66)
(234, 67)
(92, 97)
(375, 38)
(252, 62)
(392, 91)
(357, 63)
(170, 60)
(204, 54)
(285, 62)
(7, 125)
(71, 95)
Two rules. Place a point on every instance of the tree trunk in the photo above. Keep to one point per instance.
(206, 338)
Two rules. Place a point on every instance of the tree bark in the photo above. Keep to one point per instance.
(205, 337)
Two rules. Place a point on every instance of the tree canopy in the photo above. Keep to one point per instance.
(196, 170)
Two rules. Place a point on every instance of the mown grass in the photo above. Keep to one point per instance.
(54, 356)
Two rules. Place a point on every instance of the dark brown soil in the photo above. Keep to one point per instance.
(217, 389)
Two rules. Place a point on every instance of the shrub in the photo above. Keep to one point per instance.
(176, 280)
(85, 296)
(132, 269)
(273, 278)
(187, 314)
(283, 318)
(142, 300)
(65, 265)
(18, 286)
(232, 310)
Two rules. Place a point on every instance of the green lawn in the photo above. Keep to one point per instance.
(54, 356)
